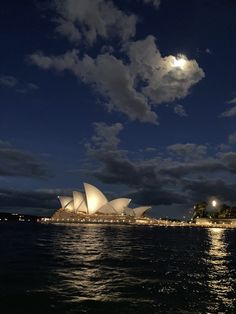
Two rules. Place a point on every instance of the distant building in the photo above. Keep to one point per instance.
(93, 202)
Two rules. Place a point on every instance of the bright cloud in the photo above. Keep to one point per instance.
(118, 82)
(135, 80)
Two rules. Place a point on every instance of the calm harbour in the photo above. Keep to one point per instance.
(116, 269)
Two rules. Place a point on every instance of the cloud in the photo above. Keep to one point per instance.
(229, 113)
(108, 75)
(149, 149)
(132, 88)
(202, 189)
(229, 160)
(27, 88)
(36, 202)
(164, 81)
(69, 30)
(111, 77)
(232, 138)
(89, 19)
(12, 82)
(180, 111)
(17, 163)
(116, 164)
(106, 136)
(232, 101)
(115, 167)
(67, 61)
(223, 147)
(131, 77)
(225, 163)
(155, 3)
(188, 151)
(4, 144)
(32, 86)
(201, 167)
(166, 180)
(8, 81)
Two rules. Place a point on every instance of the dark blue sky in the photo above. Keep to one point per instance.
(137, 97)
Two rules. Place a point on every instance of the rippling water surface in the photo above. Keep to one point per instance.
(116, 269)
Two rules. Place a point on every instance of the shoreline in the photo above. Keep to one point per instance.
(140, 222)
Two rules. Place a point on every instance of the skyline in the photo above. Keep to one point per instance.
(137, 98)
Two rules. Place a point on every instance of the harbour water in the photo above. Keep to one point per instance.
(116, 269)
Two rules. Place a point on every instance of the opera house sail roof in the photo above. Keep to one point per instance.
(93, 201)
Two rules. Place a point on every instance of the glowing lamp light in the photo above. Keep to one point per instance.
(214, 203)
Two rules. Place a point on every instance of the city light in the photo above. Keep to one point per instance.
(214, 203)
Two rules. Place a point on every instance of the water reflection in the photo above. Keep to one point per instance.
(91, 263)
(143, 268)
(220, 280)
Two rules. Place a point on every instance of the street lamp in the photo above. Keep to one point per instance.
(214, 203)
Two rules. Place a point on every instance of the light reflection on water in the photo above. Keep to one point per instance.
(71, 269)
(89, 257)
(220, 275)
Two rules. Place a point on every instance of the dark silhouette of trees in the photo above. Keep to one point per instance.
(222, 211)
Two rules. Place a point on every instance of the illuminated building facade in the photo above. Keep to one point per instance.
(94, 202)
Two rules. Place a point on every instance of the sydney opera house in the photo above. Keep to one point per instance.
(93, 204)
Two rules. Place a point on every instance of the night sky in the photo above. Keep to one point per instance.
(137, 97)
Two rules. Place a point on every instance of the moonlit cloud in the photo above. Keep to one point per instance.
(164, 81)
(89, 19)
(133, 81)
(109, 76)
(119, 82)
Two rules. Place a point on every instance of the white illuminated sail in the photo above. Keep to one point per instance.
(94, 197)
(119, 204)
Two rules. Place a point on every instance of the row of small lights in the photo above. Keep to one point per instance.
(115, 221)
(20, 219)
(83, 220)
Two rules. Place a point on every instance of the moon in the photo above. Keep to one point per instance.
(179, 62)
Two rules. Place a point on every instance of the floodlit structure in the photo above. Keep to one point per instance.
(94, 202)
